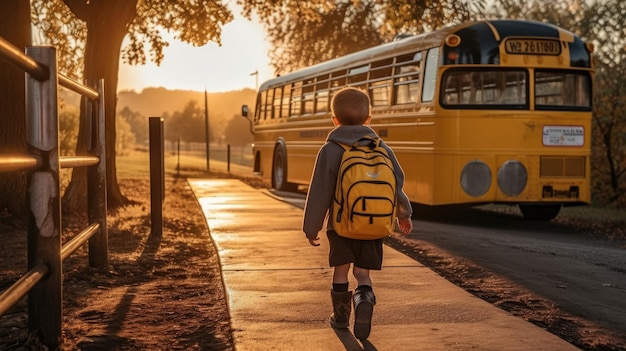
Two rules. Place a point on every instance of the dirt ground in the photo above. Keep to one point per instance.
(166, 293)
(160, 293)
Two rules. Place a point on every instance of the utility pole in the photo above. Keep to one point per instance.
(206, 128)
(256, 76)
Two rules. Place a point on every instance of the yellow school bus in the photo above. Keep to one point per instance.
(482, 112)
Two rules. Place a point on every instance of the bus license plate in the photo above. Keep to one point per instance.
(533, 46)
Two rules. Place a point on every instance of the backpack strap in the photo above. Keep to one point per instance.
(345, 147)
(373, 142)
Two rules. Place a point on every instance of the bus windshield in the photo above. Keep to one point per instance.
(562, 90)
(480, 89)
(471, 88)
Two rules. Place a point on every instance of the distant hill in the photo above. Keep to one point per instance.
(155, 102)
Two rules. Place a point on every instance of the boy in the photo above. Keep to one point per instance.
(351, 116)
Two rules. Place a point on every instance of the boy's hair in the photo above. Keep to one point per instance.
(351, 106)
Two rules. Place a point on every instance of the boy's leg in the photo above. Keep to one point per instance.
(341, 297)
(368, 256)
(362, 276)
(364, 301)
(340, 273)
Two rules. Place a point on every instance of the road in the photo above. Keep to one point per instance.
(582, 275)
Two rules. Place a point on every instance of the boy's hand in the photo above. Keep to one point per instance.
(314, 242)
(405, 225)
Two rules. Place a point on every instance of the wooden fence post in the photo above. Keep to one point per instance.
(157, 175)
(45, 299)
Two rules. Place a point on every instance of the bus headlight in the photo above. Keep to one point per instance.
(476, 178)
(512, 178)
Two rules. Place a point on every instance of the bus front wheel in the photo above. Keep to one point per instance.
(540, 212)
(279, 170)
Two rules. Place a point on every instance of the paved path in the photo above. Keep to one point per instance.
(278, 288)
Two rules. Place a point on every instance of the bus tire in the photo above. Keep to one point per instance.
(540, 212)
(279, 170)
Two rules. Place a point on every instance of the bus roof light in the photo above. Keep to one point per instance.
(453, 40)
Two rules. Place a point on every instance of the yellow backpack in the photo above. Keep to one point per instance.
(364, 204)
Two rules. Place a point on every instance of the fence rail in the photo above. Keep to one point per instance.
(43, 280)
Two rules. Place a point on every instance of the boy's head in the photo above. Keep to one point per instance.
(351, 106)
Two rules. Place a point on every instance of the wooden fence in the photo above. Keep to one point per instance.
(43, 280)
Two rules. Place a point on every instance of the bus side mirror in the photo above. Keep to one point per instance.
(244, 114)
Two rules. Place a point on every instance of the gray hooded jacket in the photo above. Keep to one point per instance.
(322, 186)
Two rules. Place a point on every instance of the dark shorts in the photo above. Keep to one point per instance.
(366, 254)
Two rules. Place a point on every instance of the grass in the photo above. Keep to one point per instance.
(600, 221)
(136, 163)
(604, 214)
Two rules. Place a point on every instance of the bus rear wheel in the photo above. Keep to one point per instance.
(540, 212)
(279, 170)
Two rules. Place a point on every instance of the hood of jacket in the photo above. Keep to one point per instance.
(350, 134)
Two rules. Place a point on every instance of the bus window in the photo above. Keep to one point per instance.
(264, 104)
(380, 82)
(338, 81)
(380, 92)
(257, 109)
(308, 96)
(467, 87)
(277, 101)
(286, 102)
(358, 76)
(321, 94)
(296, 99)
(406, 84)
(321, 101)
(430, 75)
(556, 90)
(406, 78)
(307, 103)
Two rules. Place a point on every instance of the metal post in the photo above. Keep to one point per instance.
(157, 182)
(228, 158)
(178, 154)
(44, 224)
(206, 128)
(96, 183)
(256, 79)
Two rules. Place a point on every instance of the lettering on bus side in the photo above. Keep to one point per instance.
(320, 133)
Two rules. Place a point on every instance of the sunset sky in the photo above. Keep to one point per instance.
(211, 67)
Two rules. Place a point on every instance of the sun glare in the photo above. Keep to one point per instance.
(215, 68)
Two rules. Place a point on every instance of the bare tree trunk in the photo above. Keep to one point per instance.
(105, 33)
(15, 28)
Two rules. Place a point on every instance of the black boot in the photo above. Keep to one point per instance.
(364, 301)
(341, 309)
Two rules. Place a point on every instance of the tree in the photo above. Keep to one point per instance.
(602, 23)
(609, 115)
(304, 33)
(108, 22)
(15, 28)
(237, 132)
(68, 130)
(188, 124)
(138, 125)
(124, 136)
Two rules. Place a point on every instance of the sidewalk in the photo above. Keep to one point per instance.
(279, 288)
